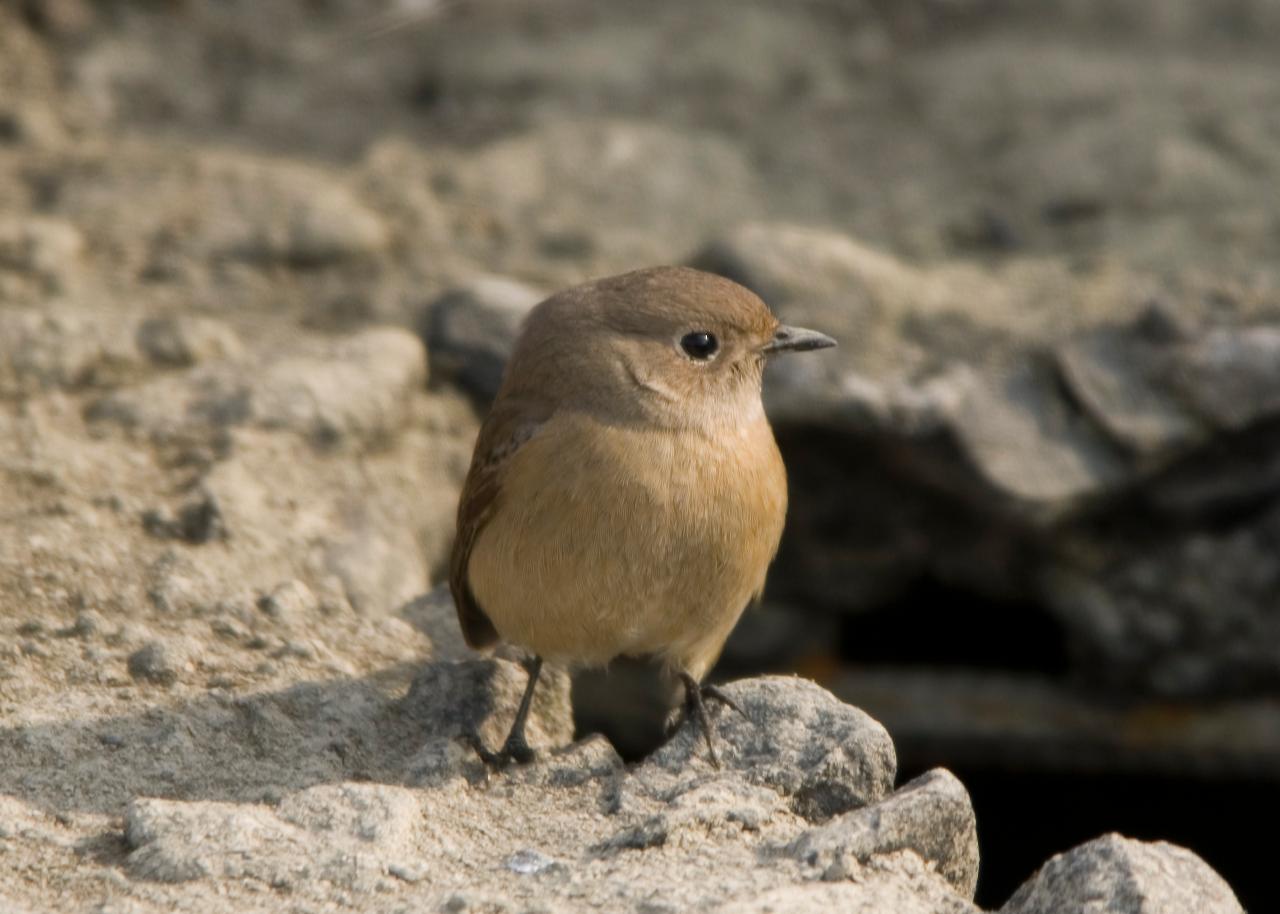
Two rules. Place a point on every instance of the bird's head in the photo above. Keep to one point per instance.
(671, 346)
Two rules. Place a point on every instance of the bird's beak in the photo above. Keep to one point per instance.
(796, 339)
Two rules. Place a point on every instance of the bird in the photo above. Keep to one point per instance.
(626, 495)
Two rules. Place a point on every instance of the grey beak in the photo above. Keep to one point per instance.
(797, 339)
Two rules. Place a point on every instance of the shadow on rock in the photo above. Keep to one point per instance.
(259, 748)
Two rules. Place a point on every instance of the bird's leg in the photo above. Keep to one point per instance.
(516, 747)
(695, 707)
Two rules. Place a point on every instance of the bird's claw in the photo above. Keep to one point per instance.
(513, 751)
(696, 697)
(715, 694)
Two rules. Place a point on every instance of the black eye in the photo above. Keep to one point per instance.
(700, 344)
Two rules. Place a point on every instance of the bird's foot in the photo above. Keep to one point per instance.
(696, 698)
(514, 750)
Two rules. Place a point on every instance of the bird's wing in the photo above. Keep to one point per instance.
(508, 426)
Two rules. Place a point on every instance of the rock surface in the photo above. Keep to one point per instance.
(772, 743)
(470, 332)
(1115, 874)
(394, 807)
(930, 815)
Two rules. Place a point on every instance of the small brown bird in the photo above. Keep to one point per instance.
(626, 495)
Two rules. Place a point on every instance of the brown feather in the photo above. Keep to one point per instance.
(508, 426)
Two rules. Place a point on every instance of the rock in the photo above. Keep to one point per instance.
(380, 567)
(265, 210)
(343, 392)
(179, 842)
(357, 390)
(381, 815)
(177, 585)
(585, 761)
(433, 614)
(292, 603)
(1118, 875)
(179, 341)
(901, 883)
(346, 834)
(931, 815)
(470, 331)
(692, 810)
(1231, 376)
(823, 756)
(785, 263)
(48, 249)
(88, 624)
(1188, 615)
(609, 194)
(62, 348)
(197, 521)
(218, 210)
(1115, 377)
(161, 662)
(1164, 396)
(529, 862)
(396, 178)
(1028, 446)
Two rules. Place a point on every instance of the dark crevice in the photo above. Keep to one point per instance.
(933, 625)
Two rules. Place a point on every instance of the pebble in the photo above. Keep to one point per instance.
(160, 662)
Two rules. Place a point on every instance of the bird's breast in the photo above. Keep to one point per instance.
(620, 539)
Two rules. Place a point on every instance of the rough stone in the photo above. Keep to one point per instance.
(378, 565)
(160, 662)
(291, 602)
(263, 210)
(345, 834)
(471, 330)
(46, 248)
(900, 883)
(1191, 614)
(1231, 376)
(356, 390)
(62, 348)
(196, 521)
(1118, 875)
(1029, 448)
(538, 185)
(179, 341)
(348, 391)
(931, 815)
(1115, 376)
(825, 757)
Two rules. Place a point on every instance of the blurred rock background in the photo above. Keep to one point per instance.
(260, 264)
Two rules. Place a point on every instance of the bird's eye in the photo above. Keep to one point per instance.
(699, 345)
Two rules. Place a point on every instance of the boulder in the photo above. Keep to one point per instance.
(1118, 875)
